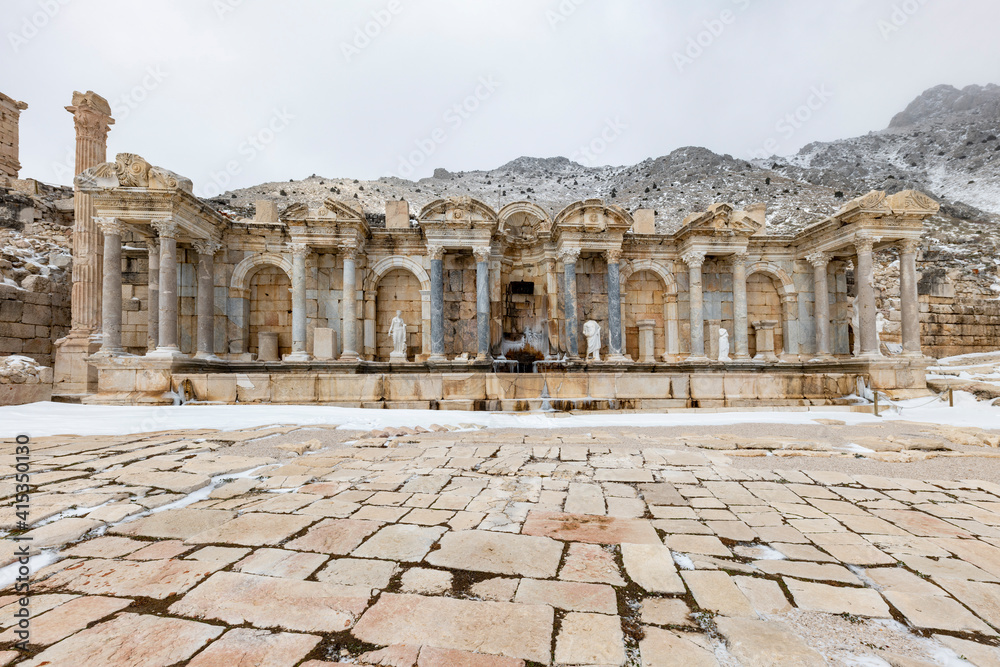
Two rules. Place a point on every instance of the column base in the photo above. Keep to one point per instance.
(397, 357)
(437, 359)
(617, 359)
(301, 356)
(741, 357)
(167, 353)
(206, 356)
(350, 355)
(109, 353)
(823, 358)
(484, 357)
(699, 358)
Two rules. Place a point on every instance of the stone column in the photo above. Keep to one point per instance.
(111, 300)
(646, 341)
(206, 250)
(741, 347)
(92, 119)
(569, 257)
(436, 253)
(864, 281)
(614, 258)
(821, 303)
(299, 252)
(167, 344)
(694, 261)
(909, 300)
(153, 294)
(482, 301)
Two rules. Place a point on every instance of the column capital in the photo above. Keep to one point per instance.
(741, 257)
(694, 258)
(435, 252)
(298, 249)
(482, 253)
(908, 246)
(110, 225)
(165, 228)
(569, 255)
(206, 246)
(613, 256)
(864, 242)
(819, 260)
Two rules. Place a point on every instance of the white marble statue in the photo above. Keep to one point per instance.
(397, 331)
(856, 325)
(879, 330)
(592, 331)
(723, 345)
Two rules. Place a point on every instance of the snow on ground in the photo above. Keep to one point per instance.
(43, 419)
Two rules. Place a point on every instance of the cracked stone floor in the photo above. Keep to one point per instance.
(309, 546)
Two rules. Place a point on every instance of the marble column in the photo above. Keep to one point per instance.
(694, 261)
(350, 301)
(92, 119)
(153, 294)
(436, 253)
(908, 297)
(569, 257)
(111, 299)
(299, 352)
(206, 250)
(482, 255)
(741, 347)
(821, 303)
(614, 258)
(864, 281)
(167, 344)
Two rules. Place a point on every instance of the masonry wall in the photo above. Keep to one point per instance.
(32, 319)
(10, 112)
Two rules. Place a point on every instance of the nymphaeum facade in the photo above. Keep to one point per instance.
(485, 292)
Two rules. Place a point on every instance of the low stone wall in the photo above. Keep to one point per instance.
(33, 317)
(951, 326)
(129, 381)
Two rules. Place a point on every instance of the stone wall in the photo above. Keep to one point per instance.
(459, 305)
(950, 326)
(397, 290)
(643, 299)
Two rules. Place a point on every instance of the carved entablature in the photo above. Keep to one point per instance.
(720, 220)
(592, 216)
(912, 203)
(458, 213)
(523, 224)
(330, 225)
(131, 171)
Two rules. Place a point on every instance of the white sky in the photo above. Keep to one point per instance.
(562, 70)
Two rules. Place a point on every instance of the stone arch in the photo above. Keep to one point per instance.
(384, 266)
(240, 288)
(398, 289)
(525, 208)
(620, 216)
(782, 306)
(628, 268)
(439, 209)
(243, 272)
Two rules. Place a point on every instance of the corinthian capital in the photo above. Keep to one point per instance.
(694, 258)
(864, 242)
(166, 228)
(110, 225)
(819, 260)
(435, 252)
(482, 253)
(206, 246)
(569, 255)
(909, 246)
(740, 258)
(614, 256)
(298, 249)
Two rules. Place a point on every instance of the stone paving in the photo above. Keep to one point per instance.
(486, 549)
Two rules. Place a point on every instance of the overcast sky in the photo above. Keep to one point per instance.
(236, 92)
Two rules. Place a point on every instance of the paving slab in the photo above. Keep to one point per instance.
(129, 640)
(716, 591)
(665, 648)
(281, 563)
(588, 528)
(571, 596)
(590, 639)
(652, 568)
(500, 553)
(337, 537)
(400, 542)
(358, 572)
(590, 563)
(837, 599)
(174, 524)
(766, 644)
(268, 602)
(499, 628)
(260, 648)
(254, 529)
(151, 579)
(67, 618)
(983, 599)
(934, 612)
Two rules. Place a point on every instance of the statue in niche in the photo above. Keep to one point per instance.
(397, 331)
(856, 325)
(723, 345)
(592, 332)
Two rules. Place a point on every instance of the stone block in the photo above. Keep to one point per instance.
(324, 344)
(644, 221)
(253, 388)
(293, 388)
(351, 388)
(413, 387)
(397, 215)
(220, 388)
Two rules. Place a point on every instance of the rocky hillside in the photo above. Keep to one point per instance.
(944, 143)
